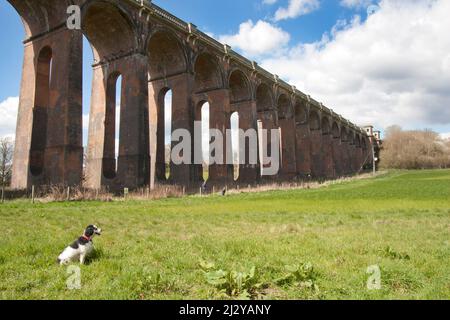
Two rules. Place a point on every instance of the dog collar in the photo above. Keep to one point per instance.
(86, 238)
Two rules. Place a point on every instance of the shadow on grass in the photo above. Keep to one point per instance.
(97, 255)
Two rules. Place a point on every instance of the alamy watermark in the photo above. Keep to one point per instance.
(74, 18)
(73, 282)
(221, 151)
(374, 281)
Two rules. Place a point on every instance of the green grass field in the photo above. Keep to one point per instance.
(151, 250)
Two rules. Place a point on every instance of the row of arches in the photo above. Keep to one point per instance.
(239, 93)
(140, 96)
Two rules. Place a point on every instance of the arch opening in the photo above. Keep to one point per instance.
(111, 149)
(88, 61)
(166, 56)
(164, 134)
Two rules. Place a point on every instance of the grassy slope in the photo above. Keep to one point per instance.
(341, 229)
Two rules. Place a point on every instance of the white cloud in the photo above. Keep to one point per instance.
(356, 3)
(8, 116)
(445, 136)
(257, 39)
(85, 129)
(296, 8)
(393, 68)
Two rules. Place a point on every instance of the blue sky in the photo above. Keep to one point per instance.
(217, 17)
(332, 49)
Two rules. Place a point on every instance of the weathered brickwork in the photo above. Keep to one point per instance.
(154, 52)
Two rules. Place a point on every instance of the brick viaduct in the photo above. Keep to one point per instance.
(153, 51)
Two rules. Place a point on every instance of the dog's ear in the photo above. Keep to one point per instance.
(89, 231)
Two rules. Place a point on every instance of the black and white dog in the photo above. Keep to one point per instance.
(80, 248)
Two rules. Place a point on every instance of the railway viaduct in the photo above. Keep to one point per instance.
(153, 52)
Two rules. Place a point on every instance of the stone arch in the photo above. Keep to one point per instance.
(326, 125)
(166, 55)
(328, 164)
(353, 161)
(207, 73)
(336, 149)
(284, 107)
(335, 132)
(351, 137)
(266, 114)
(314, 121)
(358, 140)
(239, 87)
(344, 134)
(264, 100)
(364, 143)
(241, 118)
(287, 127)
(30, 15)
(317, 156)
(39, 16)
(103, 23)
(301, 112)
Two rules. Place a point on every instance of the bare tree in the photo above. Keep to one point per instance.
(6, 154)
(414, 149)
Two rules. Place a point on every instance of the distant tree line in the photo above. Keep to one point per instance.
(414, 149)
(6, 155)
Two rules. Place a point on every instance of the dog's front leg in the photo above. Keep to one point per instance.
(82, 258)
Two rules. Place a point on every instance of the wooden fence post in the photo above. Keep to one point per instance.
(32, 194)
